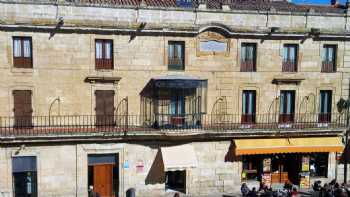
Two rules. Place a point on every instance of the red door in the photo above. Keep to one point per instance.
(104, 107)
(22, 101)
(103, 180)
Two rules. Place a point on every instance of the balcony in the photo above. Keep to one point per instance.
(136, 124)
(328, 67)
(289, 66)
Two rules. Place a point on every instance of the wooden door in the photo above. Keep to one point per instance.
(104, 107)
(22, 101)
(103, 180)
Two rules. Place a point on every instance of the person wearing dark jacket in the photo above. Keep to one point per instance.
(252, 193)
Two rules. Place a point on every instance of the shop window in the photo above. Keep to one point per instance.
(103, 175)
(319, 164)
(103, 54)
(176, 55)
(329, 58)
(251, 167)
(248, 57)
(287, 106)
(24, 173)
(290, 58)
(325, 106)
(248, 106)
(175, 180)
(22, 52)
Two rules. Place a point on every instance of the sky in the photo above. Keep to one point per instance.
(321, 2)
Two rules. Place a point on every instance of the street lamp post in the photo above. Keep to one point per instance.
(341, 105)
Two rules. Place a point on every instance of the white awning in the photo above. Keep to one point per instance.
(179, 157)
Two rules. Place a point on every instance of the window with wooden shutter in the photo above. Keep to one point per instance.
(329, 54)
(248, 106)
(287, 106)
(104, 107)
(290, 58)
(22, 52)
(22, 100)
(104, 54)
(325, 106)
(176, 55)
(248, 57)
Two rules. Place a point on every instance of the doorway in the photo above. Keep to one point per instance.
(103, 174)
(286, 168)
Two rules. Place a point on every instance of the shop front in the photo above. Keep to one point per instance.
(277, 161)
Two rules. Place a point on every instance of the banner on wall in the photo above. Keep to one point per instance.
(305, 163)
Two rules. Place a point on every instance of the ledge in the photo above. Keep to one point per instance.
(289, 80)
(192, 135)
(96, 79)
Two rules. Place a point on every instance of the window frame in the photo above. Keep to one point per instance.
(325, 114)
(22, 61)
(104, 63)
(176, 67)
(244, 61)
(246, 116)
(290, 65)
(329, 66)
(284, 115)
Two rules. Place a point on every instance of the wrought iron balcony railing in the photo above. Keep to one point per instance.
(86, 124)
(328, 67)
(289, 66)
(176, 63)
(248, 66)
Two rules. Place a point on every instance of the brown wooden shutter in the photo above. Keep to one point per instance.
(104, 107)
(22, 100)
(23, 62)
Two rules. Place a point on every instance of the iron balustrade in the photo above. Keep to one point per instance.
(289, 66)
(328, 67)
(248, 66)
(176, 63)
(86, 124)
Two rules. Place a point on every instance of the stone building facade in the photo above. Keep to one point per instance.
(57, 56)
